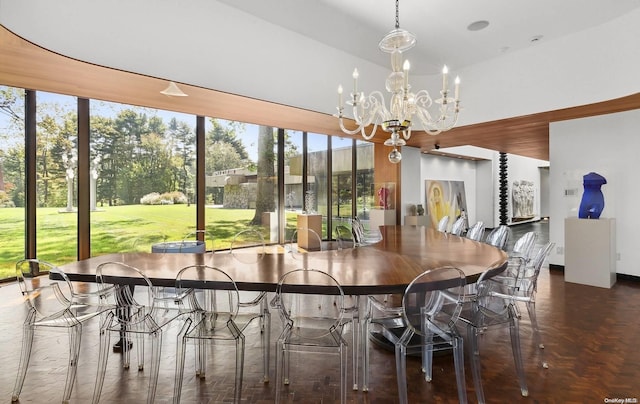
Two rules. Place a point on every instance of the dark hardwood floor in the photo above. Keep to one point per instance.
(592, 339)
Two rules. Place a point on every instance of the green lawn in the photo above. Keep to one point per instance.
(118, 228)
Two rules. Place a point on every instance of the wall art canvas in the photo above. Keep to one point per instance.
(445, 198)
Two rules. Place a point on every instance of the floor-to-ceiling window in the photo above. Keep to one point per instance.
(143, 171)
(341, 180)
(241, 180)
(294, 181)
(56, 177)
(364, 179)
(142, 177)
(317, 177)
(12, 179)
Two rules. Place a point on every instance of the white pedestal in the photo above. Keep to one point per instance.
(590, 251)
(416, 220)
(381, 217)
(306, 240)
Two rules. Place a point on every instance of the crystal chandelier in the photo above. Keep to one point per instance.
(404, 104)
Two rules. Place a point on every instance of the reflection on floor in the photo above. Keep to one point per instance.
(590, 333)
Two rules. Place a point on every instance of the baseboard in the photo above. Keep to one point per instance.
(620, 277)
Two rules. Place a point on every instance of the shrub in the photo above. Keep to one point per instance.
(167, 198)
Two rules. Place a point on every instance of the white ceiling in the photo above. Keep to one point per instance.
(356, 26)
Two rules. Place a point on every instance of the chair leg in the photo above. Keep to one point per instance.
(474, 353)
(75, 336)
(279, 369)
(531, 308)
(401, 372)
(355, 327)
(517, 356)
(458, 360)
(364, 342)
(140, 353)
(156, 344)
(266, 340)
(344, 363)
(102, 357)
(25, 356)
(239, 367)
(427, 355)
(181, 347)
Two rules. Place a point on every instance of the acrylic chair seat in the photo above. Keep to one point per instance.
(213, 317)
(136, 314)
(310, 323)
(423, 325)
(52, 305)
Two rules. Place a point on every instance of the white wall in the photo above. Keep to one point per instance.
(608, 145)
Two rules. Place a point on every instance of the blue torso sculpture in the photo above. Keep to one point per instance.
(592, 202)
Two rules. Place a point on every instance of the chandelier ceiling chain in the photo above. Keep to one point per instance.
(404, 105)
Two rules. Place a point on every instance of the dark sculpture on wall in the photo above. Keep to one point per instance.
(592, 202)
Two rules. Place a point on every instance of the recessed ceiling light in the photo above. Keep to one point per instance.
(478, 25)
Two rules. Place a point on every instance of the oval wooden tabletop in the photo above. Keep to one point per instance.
(386, 267)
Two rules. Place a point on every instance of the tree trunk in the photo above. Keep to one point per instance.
(265, 201)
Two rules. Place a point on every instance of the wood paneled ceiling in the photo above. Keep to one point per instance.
(525, 135)
(25, 65)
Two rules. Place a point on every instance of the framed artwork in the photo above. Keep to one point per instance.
(445, 198)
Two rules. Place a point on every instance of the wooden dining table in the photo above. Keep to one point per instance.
(385, 267)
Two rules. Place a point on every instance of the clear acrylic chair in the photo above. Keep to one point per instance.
(523, 246)
(489, 310)
(311, 323)
(476, 232)
(443, 224)
(362, 236)
(344, 237)
(213, 317)
(135, 315)
(498, 237)
(520, 285)
(54, 305)
(458, 227)
(248, 246)
(313, 241)
(196, 241)
(422, 326)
